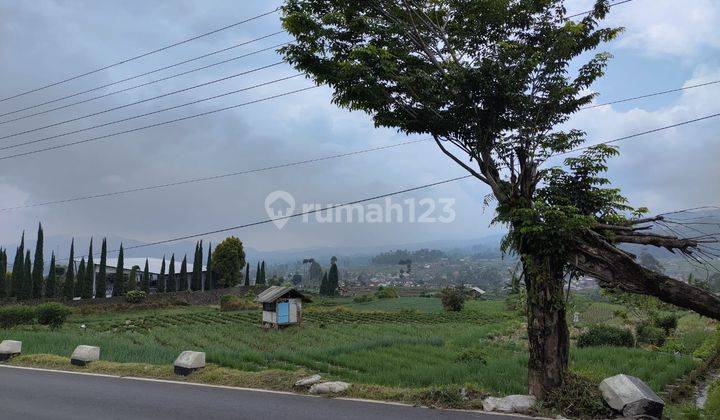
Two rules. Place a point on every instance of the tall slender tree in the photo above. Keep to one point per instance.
(81, 279)
(119, 283)
(3, 273)
(183, 282)
(51, 284)
(171, 281)
(196, 282)
(324, 286)
(132, 279)
(15, 282)
(86, 290)
(26, 283)
(101, 280)
(333, 278)
(38, 266)
(247, 274)
(263, 280)
(145, 283)
(69, 283)
(257, 273)
(161, 286)
(209, 283)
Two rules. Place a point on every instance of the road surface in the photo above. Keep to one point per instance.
(38, 394)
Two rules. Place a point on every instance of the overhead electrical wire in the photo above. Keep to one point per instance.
(617, 3)
(127, 60)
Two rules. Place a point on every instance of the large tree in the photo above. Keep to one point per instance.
(491, 82)
(86, 286)
(101, 280)
(170, 281)
(14, 282)
(69, 283)
(228, 261)
(196, 279)
(161, 285)
(209, 283)
(51, 284)
(38, 265)
(119, 282)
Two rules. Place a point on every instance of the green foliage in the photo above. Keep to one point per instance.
(101, 279)
(135, 296)
(712, 405)
(145, 282)
(453, 299)
(132, 279)
(11, 316)
(709, 347)
(52, 314)
(183, 279)
(384, 292)
(170, 281)
(52, 279)
(69, 283)
(472, 355)
(605, 335)
(3, 273)
(86, 281)
(363, 298)
(196, 279)
(650, 334)
(228, 260)
(229, 303)
(668, 322)
(119, 288)
(38, 266)
(209, 273)
(578, 397)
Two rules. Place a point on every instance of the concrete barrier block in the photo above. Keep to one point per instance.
(188, 362)
(84, 355)
(9, 349)
(631, 396)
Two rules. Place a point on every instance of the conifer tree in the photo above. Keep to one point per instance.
(132, 279)
(161, 286)
(101, 280)
(15, 282)
(324, 287)
(183, 274)
(145, 283)
(209, 283)
(69, 284)
(119, 283)
(257, 273)
(262, 273)
(86, 289)
(3, 273)
(247, 274)
(81, 279)
(51, 285)
(196, 282)
(26, 282)
(170, 282)
(333, 279)
(38, 266)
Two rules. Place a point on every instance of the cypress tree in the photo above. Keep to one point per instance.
(333, 280)
(119, 283)
(247, 274)
(132, 279)
(3, 272)
(324, 285)
(86, 288)
(196, 282)
(26, 283)
(183, 274)
(51, 286)
(161, 278)
(69, 285)
(15, 282)
(170, 281)
(262, 273)
(145, 284)
(257, 273)
(80, 287)
(101, 280)
(38, 266)
(209, 283)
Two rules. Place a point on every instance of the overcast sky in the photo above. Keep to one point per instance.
(666, 45)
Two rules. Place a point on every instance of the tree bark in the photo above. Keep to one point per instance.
(616, 269)
(548, 336)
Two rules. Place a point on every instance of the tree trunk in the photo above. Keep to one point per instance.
(548, 336)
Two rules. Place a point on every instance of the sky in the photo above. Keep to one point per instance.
(664, 46)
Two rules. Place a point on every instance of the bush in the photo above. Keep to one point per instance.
(386, 293)
(452, 299)
(577, 397)
(712, 404)
(363, 299)
(52, 314)
(605, 335)
(666, 322)
(236, 303)
(472, 355)
(11, 316)
(135, 296)
(650, 334)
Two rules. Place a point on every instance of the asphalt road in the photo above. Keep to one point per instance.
(34, 394)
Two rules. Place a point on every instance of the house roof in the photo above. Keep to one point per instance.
(273, 293)
(478, 290)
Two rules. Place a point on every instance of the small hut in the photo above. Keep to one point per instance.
(282, 306)
(476, 292)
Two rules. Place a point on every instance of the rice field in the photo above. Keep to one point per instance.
(405, 342)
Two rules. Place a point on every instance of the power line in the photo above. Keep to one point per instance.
(617, 3)
(649, 95)
(232, 92)
(140, 56)
(214, 177)
(222, 79)
(92, 139)
(162, 79)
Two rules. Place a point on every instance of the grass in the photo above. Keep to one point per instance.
(383, 347)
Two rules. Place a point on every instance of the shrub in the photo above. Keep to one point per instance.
(363, 299)
(577, 397)
(52, 314)
(11, 316)
(650, 334)
(667, 322)
(452, 299)
(472, 355)
(712, 404)
(135, 296)
(605, 335)
(386, 293)
(236, 303)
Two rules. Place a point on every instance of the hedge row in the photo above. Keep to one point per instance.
(51, 314)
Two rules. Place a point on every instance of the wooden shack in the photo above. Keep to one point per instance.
(282, 306)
